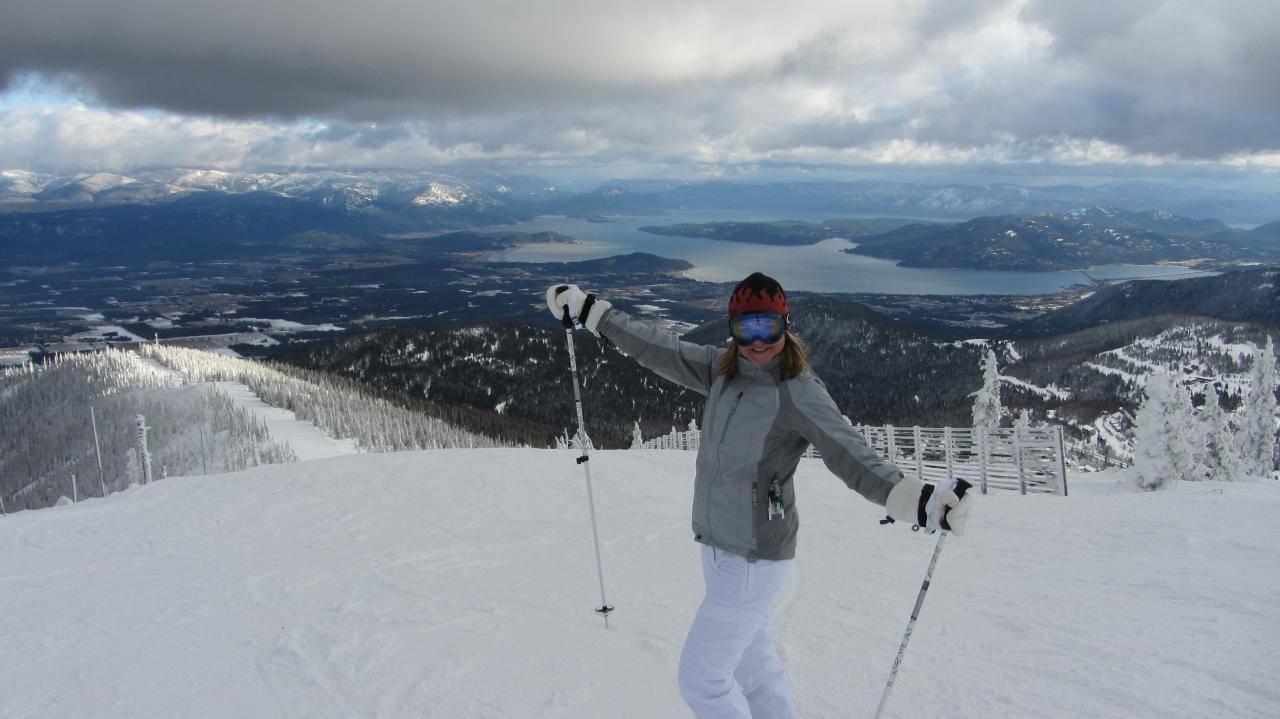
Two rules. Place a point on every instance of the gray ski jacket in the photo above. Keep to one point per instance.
(754, 429)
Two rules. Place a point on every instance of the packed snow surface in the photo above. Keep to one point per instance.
(461, 583)
(1051, 392)
(305, 439)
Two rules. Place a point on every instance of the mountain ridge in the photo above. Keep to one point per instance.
(523, 194)
(1250, 295)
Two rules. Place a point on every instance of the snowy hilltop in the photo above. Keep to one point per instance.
(461, 583)
(200, 412)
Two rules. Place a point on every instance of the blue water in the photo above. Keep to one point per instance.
(821, 267)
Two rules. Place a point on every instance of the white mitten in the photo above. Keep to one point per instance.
(944, 507)
(584, 309)
(948, 507)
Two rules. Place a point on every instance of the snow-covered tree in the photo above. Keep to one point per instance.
(579, 440)
(1162, 449)
(637, 439)
(1217, 448)
(1023, 423)
(1257, 434)
(1275, 452)
(986, 402)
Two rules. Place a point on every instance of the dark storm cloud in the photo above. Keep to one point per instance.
(716, 81)
(1188, 77)
(359, 60)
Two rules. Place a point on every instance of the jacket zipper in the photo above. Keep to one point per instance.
(706, 505)
(737, 401)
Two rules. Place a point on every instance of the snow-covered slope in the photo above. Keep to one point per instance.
(461, 583)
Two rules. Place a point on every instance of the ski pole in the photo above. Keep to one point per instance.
(915, 614)
(584, 460)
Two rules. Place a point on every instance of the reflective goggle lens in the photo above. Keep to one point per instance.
(766, 326)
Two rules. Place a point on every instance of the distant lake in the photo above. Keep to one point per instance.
(820, 267)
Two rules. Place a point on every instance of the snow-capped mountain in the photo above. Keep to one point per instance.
(174, 205)
(81, 189)
(438, 194)
(438, 190)
(215, 180)
(347, 189)
(19, 184)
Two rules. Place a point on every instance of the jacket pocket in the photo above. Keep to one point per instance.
(776, 531)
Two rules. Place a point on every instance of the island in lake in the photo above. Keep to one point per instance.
(783, 232)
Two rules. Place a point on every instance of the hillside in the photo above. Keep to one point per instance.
(516, 373)
(204, 413)
(878, 371)
(1065, 241)
(70, 428)
(1251, 295)
(460, 583)
(1263, 236)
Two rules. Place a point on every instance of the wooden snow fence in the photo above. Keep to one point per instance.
(1030, 461)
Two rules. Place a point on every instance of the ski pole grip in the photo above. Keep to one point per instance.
(565, 319)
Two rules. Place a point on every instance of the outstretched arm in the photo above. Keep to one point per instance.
(814, 416)
(662, 352)
(847, 455)
(668, 356)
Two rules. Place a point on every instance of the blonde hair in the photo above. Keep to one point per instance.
(793, 359)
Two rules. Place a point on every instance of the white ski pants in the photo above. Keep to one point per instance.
(731, 642)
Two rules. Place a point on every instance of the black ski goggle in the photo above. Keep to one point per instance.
(768, 327)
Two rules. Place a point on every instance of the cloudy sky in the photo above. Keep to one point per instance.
(642, 88)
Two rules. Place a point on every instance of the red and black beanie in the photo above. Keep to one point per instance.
(758, 293)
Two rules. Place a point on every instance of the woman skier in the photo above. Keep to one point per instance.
(764, 408)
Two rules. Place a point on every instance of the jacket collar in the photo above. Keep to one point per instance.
(768, 374)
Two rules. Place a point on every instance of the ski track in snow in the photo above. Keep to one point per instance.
(1051, 392)
(1103, 369)
(461, 583)
(306, 440)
